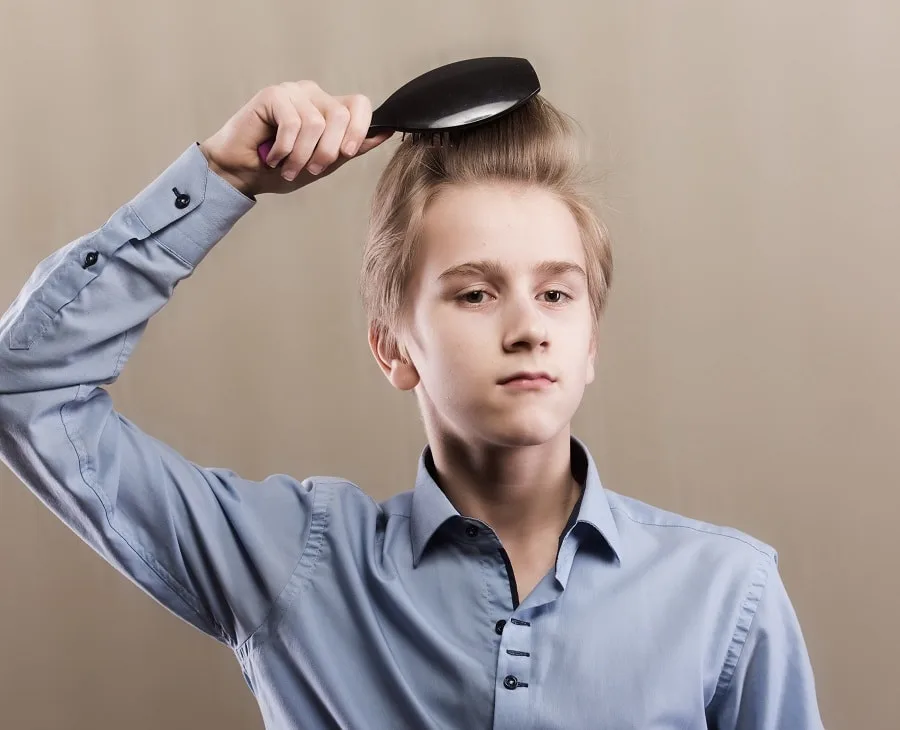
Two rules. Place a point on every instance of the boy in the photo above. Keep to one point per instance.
(508, 589)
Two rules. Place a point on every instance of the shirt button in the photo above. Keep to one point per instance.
(510, 682)
(472, 531)
(182, 200)
(498, 627)
(90, 259)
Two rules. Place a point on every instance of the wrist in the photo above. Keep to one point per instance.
(232, 179)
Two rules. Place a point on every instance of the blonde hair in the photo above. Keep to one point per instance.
(534, 145)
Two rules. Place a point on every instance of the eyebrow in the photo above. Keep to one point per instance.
(493, 269)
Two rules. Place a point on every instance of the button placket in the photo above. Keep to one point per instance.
(514, 694)
(514, 659)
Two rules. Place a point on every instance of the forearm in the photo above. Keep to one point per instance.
(67, 325)
(69, 331)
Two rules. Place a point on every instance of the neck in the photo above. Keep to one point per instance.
(525, 493)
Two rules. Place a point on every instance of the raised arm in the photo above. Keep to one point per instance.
(213, 548)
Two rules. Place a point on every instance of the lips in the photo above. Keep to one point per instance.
(527, 375)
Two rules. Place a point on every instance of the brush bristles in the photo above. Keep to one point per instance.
(446, 138)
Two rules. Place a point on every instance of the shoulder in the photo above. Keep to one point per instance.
(717, 572)
(650, 532)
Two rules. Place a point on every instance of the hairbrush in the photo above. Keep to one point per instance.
(451, 98)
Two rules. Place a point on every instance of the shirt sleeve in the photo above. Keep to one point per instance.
(210, 546)
(767, 682)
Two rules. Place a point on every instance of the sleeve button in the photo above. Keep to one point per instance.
(182, 200)
(90, 259)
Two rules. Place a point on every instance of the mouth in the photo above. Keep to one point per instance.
(528, 380)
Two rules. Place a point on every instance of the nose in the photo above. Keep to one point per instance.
(525, 325)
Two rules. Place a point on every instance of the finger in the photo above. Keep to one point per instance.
(360, 107)
(312, 124)
(372, 142)
(337, 118)
(288, 124)
(343, 159)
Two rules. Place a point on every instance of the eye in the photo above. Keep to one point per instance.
(562, 296)
(466, 297)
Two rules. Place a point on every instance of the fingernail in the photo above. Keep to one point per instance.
(289, 176)
(351, 149)
(314, 169)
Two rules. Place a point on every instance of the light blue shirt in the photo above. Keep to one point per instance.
(348, 613)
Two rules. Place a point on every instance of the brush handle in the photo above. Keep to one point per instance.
(264, 149)
(266, 146)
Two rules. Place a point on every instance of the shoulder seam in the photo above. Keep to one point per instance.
(277, 605)
(714, 533)
(274, 602)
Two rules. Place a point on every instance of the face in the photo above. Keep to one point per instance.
(499, 288)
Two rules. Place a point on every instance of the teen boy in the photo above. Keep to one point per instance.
(508, 589)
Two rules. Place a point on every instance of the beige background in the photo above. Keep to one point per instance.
(751, 368)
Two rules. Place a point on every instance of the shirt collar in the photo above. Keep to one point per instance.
(431, 508)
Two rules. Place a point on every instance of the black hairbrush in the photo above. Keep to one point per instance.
(452, 97)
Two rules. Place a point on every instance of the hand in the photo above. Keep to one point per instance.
(315, 133)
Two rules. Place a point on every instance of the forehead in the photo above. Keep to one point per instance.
(518, 225)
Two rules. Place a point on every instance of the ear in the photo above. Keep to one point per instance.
(400, 372)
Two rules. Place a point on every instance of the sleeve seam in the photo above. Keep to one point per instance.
(738, 643)
(191, 601)
(304, 552)
(274, 602)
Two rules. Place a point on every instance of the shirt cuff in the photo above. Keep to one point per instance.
(189, 208)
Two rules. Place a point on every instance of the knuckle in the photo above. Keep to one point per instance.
(326, 157)
(268, 94)
(339, 113)
(316, 121)
(299, 156)
(307, 85)
(361, 101)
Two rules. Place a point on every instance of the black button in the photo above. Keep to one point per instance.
(510, 682)
(472, 531)
(498, 627)
(182, 200)
(90, 259)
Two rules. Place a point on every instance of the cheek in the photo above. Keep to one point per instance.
(578, 348)
(446, 331)
(456, 359)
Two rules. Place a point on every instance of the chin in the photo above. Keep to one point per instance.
(533, 433)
